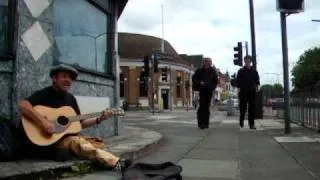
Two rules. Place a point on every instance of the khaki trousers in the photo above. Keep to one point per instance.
(86, 147)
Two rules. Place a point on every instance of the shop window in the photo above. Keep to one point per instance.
(7, 14)
(82, 35)
(178, 87)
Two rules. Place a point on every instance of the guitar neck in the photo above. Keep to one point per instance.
(91, 115)
(85, 116)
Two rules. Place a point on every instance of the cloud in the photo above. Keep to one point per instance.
(213, 28)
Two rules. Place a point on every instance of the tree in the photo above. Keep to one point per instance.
(277, 91)
(306, 72)
(267, 90)
(272, 91)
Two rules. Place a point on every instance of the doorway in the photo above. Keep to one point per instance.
(165, 98)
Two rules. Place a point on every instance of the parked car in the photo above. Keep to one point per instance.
(276, 103)
(233, 101)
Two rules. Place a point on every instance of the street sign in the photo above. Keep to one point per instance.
(163, 56)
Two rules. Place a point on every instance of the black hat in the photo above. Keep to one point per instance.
(65, 68)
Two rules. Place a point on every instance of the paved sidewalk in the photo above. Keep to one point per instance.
(226, 152)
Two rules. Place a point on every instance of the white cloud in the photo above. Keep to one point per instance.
(212, 28)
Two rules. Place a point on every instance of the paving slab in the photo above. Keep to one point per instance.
(209, 168)
(288, 139)
(261, 157)
(213, 154)
(307, 154)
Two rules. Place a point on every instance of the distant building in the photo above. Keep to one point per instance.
(172, 87)
(224, 86)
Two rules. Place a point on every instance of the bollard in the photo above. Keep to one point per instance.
(230, 111)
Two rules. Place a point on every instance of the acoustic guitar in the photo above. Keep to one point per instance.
(65, 120)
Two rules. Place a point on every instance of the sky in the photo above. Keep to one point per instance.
(213, 27)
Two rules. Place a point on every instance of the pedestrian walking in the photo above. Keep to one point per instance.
(205, 81)
(248, 84)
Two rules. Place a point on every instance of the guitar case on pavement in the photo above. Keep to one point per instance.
(146, 171)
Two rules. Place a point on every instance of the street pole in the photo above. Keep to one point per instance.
(253, 36)
(152, 80)
(162, 39)
(190, 87)
(287, 129)
(247, 53)
(171, 89)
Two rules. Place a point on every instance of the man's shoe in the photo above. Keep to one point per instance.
(253, 127)
(241, 124)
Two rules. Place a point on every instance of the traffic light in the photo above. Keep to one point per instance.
(290, 5)
(238, 54)
(233, 80)
(146, 65)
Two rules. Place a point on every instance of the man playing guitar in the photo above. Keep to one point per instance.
(56, 96)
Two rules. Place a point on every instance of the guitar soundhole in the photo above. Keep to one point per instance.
(63, 120)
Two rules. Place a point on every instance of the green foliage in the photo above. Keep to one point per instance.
(272, 91)
(306, 72)
(277, 90)
(82, 168)
(224, 95)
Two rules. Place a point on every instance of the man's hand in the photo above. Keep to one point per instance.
(105, 114)
(48, 126)
(257, 88)
(202, 83)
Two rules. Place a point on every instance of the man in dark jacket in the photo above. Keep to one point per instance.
(248, 85)
(205, 81)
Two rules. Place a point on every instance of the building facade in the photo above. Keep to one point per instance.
(171, 84)
(36, 35)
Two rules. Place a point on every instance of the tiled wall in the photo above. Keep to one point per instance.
(34, 58)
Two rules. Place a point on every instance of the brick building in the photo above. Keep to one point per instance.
(223, 86)
(172, 84)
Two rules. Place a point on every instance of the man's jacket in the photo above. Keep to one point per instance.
(208, 76)
(247, 79)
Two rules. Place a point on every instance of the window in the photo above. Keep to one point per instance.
(178, 88)
(122, 81)
(7, 11)
(187, 85)
(81, 35)
(164, 75)
(143, 85)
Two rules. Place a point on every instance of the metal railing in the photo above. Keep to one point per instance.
(305, 107)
